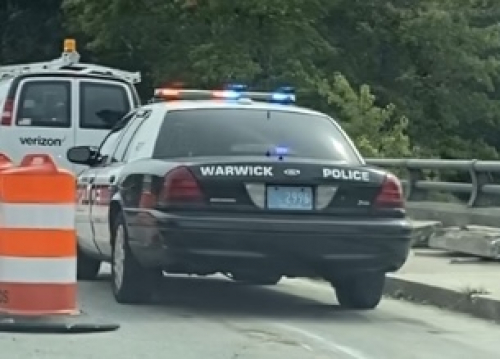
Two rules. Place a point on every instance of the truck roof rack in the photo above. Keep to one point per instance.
(69, 60)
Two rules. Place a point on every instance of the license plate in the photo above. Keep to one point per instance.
(289, 198)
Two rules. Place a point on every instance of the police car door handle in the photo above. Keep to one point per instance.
(111, 179)
(91, 179)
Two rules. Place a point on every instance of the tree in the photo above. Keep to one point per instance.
(265, 44)
(378, 131)
(30, 30)
(437, 60)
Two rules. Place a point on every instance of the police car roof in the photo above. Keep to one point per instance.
(244, 104)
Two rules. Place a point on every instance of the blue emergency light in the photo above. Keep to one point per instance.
(280, 150)
(231, 92)
(236, 87)
(284, 95)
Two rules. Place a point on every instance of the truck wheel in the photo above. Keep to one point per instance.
(361, 292)
(131, 282)
(256, 279)
(87, 268)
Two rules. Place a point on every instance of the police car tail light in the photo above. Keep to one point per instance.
(391, 193)
(180, 186)
(8, 112)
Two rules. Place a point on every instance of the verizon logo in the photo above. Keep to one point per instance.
(41, 141)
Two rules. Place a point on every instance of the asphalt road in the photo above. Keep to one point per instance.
(217, 319)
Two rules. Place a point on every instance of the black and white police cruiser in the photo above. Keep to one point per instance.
(240, 183)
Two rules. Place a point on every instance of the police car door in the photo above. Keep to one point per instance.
(42, 121)
(88, 197)
(98, 96)
(104, 185)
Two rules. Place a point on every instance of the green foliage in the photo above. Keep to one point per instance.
(29, 30)
(377, 131)
(417, 78)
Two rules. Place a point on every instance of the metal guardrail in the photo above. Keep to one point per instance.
(479, 189)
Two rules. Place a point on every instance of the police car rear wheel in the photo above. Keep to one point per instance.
(360, 292)
(87, 268)
(131, 282)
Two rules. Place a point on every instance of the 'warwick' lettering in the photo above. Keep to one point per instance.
(251, 171)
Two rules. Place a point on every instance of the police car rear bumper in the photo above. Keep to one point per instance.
(288, 245)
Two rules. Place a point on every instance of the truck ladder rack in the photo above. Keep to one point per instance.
(69, 61)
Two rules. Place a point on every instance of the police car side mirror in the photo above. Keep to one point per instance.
(81, 155)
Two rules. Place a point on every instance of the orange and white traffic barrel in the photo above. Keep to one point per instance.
(37, 239)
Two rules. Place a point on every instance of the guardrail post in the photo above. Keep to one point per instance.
(477, 180)
(412, 192)
(481, 175)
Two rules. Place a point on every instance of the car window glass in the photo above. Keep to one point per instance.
(126, 138)
(142, 144)
(251, 132)
(45, 104)
(103, 104)
(108, 145)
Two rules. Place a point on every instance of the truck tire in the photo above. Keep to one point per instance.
(131, 282)
(361, 292)
(87, 268)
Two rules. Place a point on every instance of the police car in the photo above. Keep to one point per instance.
(48, 107)
(240, 183)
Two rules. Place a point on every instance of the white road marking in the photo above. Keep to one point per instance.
(327, 343)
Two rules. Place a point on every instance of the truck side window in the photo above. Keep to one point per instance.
(44, 104)
(102, 104)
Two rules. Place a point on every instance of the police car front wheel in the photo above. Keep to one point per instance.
(131, 282)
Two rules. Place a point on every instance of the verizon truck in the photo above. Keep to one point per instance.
(48, 107)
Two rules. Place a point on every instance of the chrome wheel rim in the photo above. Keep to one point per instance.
(119, 257)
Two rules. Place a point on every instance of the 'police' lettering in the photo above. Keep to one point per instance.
(257, 171)
(344, 174)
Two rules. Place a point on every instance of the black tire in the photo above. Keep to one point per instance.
(87, 268)
(137, 283)
(361, 292)
(256, 279)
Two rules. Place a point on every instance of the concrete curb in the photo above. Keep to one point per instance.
(477, 305)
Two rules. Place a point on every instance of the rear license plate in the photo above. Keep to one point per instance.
(290, 198)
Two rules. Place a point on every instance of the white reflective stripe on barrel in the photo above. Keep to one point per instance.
(37, 270)
(37, 216)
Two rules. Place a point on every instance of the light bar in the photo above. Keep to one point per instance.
(284, 95)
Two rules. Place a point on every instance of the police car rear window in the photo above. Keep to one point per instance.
(251, 132)
(44, 104)
(103, 105)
